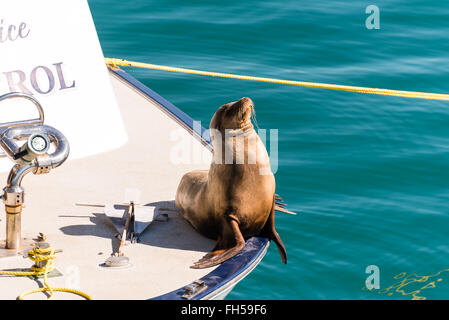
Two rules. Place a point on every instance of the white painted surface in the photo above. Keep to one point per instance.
(54, 47)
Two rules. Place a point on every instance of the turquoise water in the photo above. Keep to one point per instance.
(368, 175)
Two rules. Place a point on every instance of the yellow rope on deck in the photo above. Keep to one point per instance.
(37, 255)
(386, 92)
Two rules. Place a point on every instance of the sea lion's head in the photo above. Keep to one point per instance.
(233, 115)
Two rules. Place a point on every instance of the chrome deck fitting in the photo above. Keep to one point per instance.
(31, 156)
(130, 220)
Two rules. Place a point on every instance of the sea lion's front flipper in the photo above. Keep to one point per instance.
(220, 255)
(269, 231)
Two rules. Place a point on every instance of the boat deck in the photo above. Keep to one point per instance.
(160, 260)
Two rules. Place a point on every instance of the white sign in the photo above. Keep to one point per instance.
(50, 49)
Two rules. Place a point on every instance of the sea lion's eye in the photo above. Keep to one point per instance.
(232, 111)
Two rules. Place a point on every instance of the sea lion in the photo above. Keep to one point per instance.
(235, 198)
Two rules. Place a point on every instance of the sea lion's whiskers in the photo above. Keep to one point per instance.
(253, 117)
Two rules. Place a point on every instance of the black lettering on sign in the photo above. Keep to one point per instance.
(62, 82)
(41, 79)
(12, 32)
(35, 83)
(16, 84)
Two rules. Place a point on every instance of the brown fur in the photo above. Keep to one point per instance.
(231, 202)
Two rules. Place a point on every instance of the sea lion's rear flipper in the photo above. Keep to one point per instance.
(282, 209)
(279, 205)
(221, 254)
(269, 232)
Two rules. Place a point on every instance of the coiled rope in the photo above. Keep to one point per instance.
(386, 92)
(38, 255)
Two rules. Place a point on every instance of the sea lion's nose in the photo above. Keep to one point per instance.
(246, 101)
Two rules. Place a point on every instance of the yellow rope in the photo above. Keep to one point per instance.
(386, 92)
(37, 255)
